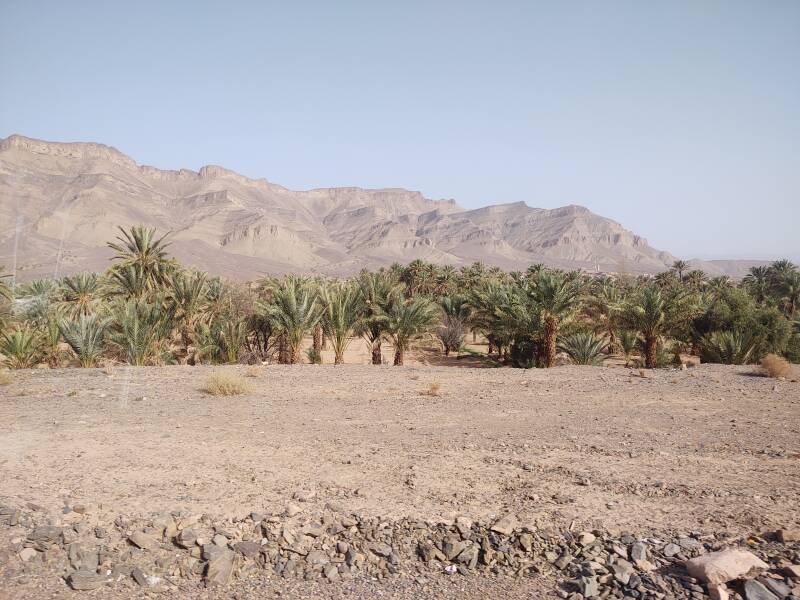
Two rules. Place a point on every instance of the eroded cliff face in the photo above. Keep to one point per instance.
(67, 199)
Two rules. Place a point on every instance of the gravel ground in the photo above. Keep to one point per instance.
(711, 448)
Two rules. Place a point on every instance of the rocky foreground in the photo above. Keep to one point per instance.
(192, 553)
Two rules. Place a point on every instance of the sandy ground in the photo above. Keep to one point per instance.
(712, 445)
(711, 448)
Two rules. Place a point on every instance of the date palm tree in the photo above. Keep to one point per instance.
(408, 321)
(788, 288)
(696, 279)
(601, 309)
(187, 299)
(628, 343)
(140, 248)
(455, 314)
(126, 281)
(584, 348)
(556, 296)
(293, 311)
(678, 267)
(140, 331)
(727, 347)
(86, 337)
(757, 282)
(21, 347)
(500, 311)
(80, 294)
(5, 298)
(376, 290)
(653, 312)
(342, 309)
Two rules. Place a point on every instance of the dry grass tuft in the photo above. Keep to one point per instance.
(109, 369)
(5, 377)
(433, 389)
(775, 366)
(252, 371)
(225, 383)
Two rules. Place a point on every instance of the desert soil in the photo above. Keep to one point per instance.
(711, 448)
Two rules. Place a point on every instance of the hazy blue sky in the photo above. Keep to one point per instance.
(681, 120)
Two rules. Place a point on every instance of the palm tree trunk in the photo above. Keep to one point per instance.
(318, 338)
(283, 350)
(295, 355)
(650, 346)
(377, 358)
(550, 329)
(398, 357)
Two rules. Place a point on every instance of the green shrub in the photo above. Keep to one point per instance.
(584, 348)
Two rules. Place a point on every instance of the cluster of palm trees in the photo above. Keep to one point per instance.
(148, 309)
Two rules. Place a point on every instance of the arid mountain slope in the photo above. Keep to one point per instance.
(61, 202)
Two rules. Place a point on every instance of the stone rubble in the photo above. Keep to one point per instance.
(334, 545)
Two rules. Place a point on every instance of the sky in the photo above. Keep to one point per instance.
(679, 119)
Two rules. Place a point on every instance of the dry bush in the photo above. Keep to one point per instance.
(433, 389)
(252, 371)
(5, 377)
(225, 383)
(775, 366)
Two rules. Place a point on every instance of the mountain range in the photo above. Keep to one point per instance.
(61, 202)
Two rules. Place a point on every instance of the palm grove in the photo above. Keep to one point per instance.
(147, 309)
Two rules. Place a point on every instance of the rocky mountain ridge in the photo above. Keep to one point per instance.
(61, 202)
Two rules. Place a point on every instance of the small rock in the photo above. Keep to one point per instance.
(469, 557)
(526, 542)
(623, 571)
(505, 525)
(304, 496)
(186, 538)
(589, 587)
(249, 549)
(792, 571)
(292, 509)
(638, 551)
(723, 566)
(26, 554)
(753, 590)
(671, 550)
(644, 565)
(317, 558)
(562, 561)
(85, 580)
(380, 549)
(219, 569)
(331, 573)
(452, 547)
(139, 577)
(143, 540)
(788, 535)
(718, 592)
(775, 586)
(586, 539)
